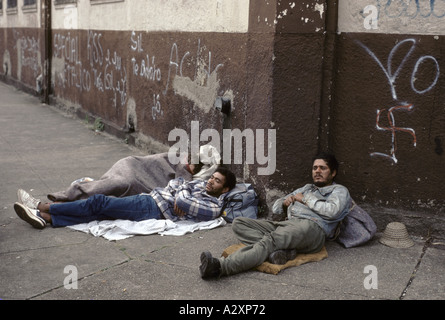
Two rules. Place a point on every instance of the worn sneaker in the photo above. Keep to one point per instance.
(210, 267)
(282, 256)
(27, 200)
(30, 215)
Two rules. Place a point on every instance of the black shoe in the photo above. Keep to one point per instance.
(282, 256)
(210, 267)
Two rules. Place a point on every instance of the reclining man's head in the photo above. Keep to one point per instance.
(222, 180)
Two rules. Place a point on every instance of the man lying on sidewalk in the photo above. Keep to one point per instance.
(313, 212)
(141, 174)
(129, 176)
(196, 200)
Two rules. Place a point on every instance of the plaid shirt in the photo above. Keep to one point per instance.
(191, 197)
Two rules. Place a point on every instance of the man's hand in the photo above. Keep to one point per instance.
(289, 200)
(178, 211)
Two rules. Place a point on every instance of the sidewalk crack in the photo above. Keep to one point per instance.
(419, 261)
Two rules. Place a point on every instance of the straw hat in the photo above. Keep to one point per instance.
(396, 236)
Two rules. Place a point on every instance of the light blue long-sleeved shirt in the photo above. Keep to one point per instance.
(326, 206)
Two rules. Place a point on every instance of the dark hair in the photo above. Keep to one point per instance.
(198, 166)
(229, 175)
(330, 159)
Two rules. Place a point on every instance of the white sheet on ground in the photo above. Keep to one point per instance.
(122, 229)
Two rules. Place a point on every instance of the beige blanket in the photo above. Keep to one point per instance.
(268, 267)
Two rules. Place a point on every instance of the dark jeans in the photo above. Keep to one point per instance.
(100, 207)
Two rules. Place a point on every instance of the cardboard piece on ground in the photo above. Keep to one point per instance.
(268, 267)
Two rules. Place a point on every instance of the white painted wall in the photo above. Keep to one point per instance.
(154, 15)
(392, 16)
(22, 17)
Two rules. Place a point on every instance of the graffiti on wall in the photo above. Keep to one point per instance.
(412, 9)
(202, 85)
(105, 70)
(392, 76)
(28, 52)
(390, 9)
(394, 129)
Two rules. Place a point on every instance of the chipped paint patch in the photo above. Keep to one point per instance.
(202, 95)
(320, 8)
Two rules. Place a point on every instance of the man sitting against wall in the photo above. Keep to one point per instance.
(313, 212)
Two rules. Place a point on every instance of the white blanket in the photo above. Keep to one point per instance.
(122, 229)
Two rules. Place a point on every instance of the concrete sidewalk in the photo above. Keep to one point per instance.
(43, 150)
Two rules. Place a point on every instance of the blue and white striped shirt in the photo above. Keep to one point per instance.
(191, 197)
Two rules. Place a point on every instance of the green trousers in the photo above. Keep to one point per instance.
(263, 237)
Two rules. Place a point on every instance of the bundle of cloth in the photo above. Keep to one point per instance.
(139, 174)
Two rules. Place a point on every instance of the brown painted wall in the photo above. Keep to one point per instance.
(397, 159)
(101, 72)
(105, 75)
(21, 55)
(297, 89)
